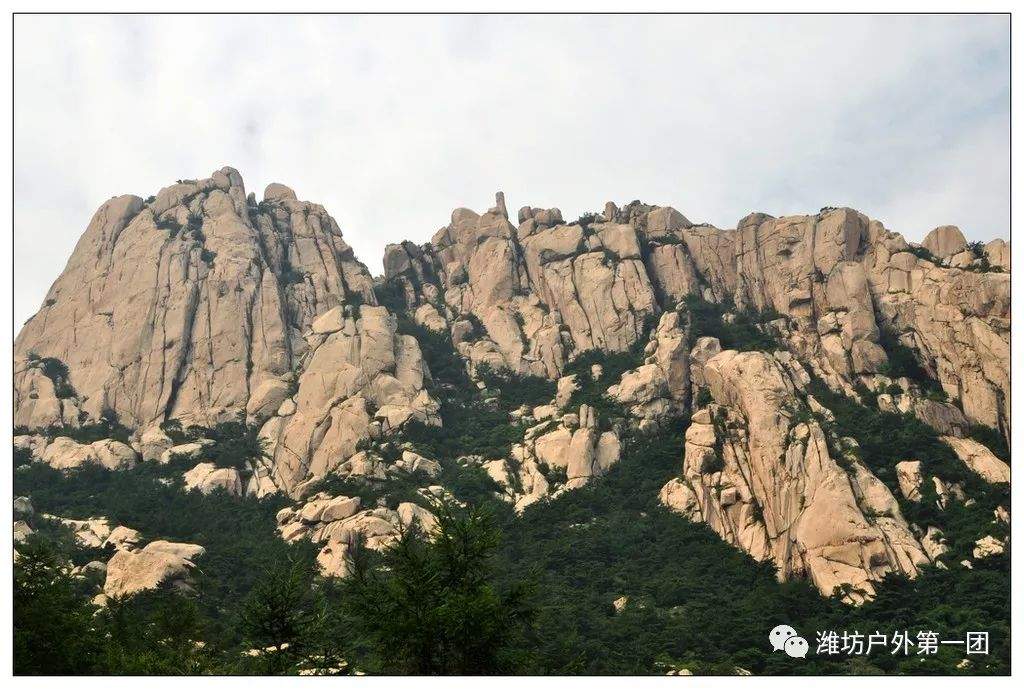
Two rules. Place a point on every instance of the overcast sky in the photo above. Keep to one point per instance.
(391, 122)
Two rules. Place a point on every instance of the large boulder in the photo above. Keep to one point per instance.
(65, 453)
(206, 477)
(129, 572)
(945, 241)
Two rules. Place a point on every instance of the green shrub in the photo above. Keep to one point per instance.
(391, 294)
(170, 225)
(903, 361)
(923, 253)
(747, 331)
(516, 389)
(58, 373)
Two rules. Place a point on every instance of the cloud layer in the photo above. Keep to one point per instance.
(391, 122)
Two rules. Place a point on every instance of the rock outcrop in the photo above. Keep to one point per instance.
(546, 291)
(206, 477)
(979, 459)
(199, 303)
(65, 453)
(202, 305)
(160, 562)
(335, 522)
(759, 470)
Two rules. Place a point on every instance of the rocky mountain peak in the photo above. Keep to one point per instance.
(200, 306)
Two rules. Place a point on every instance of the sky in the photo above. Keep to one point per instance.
(392, 122)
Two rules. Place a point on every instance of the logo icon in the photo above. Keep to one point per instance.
(784, 638)
(796, 647)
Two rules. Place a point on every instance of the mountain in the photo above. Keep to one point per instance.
(193, 326)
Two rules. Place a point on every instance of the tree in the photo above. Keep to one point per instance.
(428, 604)
(281, 619)
(54, 630)
(157, 632)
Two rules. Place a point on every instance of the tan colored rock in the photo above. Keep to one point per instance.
(662, 386)
(123, 538)
(998, 253)
(329, 322)
(278, 192)
(979, 459)
(267, 398)
(293, 531)
(945, 241)
(153, 443)
(193, 450)
(212, 316)
(944, 418)
(366, 362)
(667, 220)
(23, 508)
(65, 453)
(776, 491)
(934, 544)
(22, 531)
(284, 515)
(410, 513)
(207, 478)
(987, 547)
(566, 386)
(339, 508)
(333, 559)
(413, 463)
(908, 474)
(129, 572)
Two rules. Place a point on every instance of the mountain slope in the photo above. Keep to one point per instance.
(243, 342)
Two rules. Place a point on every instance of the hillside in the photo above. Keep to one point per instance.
(680, 433)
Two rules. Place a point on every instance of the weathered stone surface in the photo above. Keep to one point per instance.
(23, 508)
(945, 241)
(65, 453)
(339, 508)
(129, 572)
(908, 474)
(987, 547)
(193, 450)
(662, 386)
(998, 253)
(202, 305)
(364, 363)
(979, 459)
(22, 531)
(206, 478)
(123, 538)
(153, 443)
(190, 304)
(90, 533)
(771, 486)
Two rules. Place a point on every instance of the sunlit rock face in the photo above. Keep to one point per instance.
(203, 304)
(759, 471)
(200, 304)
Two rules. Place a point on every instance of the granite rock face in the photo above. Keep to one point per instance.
(758, 469)
(130, 571)
(199, 304)
(531, 297)
(203, 305)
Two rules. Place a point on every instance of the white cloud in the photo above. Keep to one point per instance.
(390, 122)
